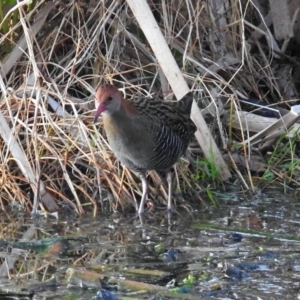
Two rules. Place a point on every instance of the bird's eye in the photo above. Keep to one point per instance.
(109, 98)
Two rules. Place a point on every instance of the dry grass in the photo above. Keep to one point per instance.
(81, 46)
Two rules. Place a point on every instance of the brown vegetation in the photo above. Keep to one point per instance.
(61, 54)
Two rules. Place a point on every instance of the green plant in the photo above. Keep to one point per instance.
(5, 20)
(206, 168)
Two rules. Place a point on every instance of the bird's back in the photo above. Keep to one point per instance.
(171, 128)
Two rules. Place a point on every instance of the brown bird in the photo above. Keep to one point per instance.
(145, 134)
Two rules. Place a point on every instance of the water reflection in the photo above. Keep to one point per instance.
(233, 250)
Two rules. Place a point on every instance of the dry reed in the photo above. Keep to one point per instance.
(48, 88)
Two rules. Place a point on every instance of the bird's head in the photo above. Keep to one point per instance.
(108, 100)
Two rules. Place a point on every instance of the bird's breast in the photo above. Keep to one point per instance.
(129, 140)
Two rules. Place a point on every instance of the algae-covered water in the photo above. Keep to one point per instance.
(244, 248)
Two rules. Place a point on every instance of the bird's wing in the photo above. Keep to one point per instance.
(175, 115)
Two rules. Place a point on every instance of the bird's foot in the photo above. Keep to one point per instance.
(37, 214)
(150, 207)
(171, 210)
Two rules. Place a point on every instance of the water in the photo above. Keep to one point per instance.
(245, 248)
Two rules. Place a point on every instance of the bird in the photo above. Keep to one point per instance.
(145, 133)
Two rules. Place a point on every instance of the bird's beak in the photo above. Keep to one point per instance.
(101, 108)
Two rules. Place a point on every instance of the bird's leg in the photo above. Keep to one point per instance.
(144, 195)
(169, 180)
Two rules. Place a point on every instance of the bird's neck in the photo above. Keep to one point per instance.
(128, 108)
(122, 120)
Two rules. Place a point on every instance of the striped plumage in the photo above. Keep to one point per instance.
(144, 133)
